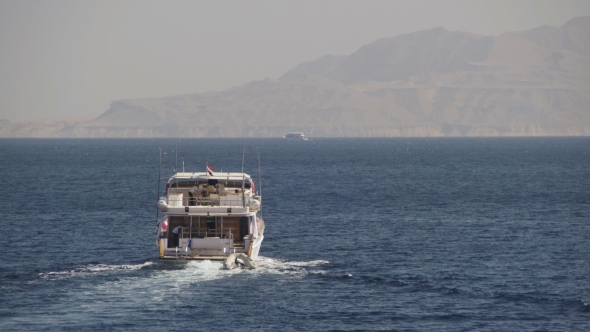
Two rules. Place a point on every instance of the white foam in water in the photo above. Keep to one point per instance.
(276, 266)
(129, 286)
(310, 263)
(193, 271)
(159, 284)
(92, 269)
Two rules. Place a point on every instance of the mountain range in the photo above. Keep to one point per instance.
(424, 84)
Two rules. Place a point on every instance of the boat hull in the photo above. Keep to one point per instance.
(181, 254)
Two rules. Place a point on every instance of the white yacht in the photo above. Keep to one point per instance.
(296, 136)
(212, 216)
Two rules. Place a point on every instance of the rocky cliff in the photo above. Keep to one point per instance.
(427, 83)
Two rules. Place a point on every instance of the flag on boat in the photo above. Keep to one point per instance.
(210, 169)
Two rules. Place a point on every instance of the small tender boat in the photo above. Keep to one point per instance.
(210, 216)
(296, 136)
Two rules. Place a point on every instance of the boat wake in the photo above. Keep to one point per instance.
(297, 268)
(179, 274)
(101, 289)
(92, 270)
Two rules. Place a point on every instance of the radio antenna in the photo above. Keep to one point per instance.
(243, 156)
(259, 177)
(159, 179)
(259, 184)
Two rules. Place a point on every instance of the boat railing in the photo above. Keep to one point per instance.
(224, 233)
(228, 197)
(215, 201)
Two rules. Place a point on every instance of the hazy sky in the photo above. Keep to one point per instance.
(72, 58)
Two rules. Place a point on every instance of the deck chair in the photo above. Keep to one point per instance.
(214, 199)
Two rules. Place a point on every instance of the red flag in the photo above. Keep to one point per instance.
(210, 169)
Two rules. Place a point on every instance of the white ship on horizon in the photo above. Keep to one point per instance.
(296, 136)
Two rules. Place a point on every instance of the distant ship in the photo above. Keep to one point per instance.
(296, 136)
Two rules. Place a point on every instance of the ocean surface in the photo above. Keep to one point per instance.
(470, 234)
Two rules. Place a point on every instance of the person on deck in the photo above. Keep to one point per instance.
(175, 232)
(193, 193)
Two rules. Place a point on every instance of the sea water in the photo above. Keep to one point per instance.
(447, 234)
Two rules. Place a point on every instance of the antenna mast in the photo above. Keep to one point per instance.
(243, 156)
(158, 192)
(259, 184)
(259, 177)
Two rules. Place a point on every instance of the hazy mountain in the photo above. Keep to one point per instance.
(426, 83)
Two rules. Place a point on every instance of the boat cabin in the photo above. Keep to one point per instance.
(201, 189)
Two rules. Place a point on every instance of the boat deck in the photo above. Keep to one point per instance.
(193, 258)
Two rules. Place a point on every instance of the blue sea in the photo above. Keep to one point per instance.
(392, 234)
